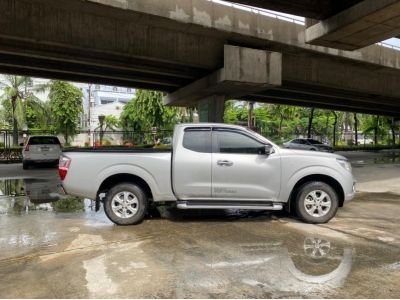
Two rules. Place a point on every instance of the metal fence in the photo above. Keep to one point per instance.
(12, 152)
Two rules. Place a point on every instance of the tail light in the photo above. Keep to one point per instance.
(63, 166)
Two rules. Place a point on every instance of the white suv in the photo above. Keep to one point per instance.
(41, 149)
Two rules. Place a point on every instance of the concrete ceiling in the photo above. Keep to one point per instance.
(315, 9)
(341, 24)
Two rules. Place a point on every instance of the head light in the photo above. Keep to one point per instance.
(344, 163)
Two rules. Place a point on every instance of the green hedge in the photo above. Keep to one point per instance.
(13, 154)
(366, 148)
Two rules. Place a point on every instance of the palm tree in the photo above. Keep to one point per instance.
(18, 91)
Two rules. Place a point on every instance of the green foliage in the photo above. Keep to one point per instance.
(281, 123)
(147, 110)
(111, 122)
(72, 204)
(235, 112)
(20, 105)
(66, 107)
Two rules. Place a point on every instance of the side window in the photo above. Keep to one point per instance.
(198, 140)
(235, 142)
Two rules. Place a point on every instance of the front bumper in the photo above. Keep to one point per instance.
(350, 196)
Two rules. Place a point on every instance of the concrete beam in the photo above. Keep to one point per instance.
(245, 71)
(320, 9)
(363, 24)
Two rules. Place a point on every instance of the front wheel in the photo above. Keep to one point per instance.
(126, 204)
(316, 202)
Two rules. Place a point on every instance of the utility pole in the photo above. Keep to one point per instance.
(250, 119)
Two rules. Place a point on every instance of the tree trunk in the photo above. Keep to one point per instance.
(393, 137)
(66, 134)
(356, 128)
(334, 128)
(327, 126)
(310, 120)
(393, 130)
(15, 123)
(280, 124)
(376, 130)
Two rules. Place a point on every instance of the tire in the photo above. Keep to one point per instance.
(313, 149)
(130, 212)
(312, 202)
(25, 165)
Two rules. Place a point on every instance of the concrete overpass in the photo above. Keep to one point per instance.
(195, 50)
(342, 24)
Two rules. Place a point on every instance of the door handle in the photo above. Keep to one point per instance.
(226, 163)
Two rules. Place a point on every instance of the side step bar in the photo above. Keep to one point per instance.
(248, 205)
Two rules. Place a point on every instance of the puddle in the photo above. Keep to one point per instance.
(21, 196)
(387, 158)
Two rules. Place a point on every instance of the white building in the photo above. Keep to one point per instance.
(104, 100)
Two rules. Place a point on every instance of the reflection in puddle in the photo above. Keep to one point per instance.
(274, 268)
(24, 195)
(388, 158)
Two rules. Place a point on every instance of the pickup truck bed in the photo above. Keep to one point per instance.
(123, 164)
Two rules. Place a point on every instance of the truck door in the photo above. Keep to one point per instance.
(240, 168)
(191, 163)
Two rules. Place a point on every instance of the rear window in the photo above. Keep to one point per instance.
(197, 139)
(40, 140)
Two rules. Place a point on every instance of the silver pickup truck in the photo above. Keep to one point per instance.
(211, 166)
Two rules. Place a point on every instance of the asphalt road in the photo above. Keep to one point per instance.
(47, 252)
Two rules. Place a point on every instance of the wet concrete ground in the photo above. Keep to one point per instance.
(62, 249)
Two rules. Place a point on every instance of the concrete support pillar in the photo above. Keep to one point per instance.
(211, 109)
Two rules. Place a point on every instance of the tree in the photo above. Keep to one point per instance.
(66, 107)
(18, 92)
(107, 122)
(147, 110)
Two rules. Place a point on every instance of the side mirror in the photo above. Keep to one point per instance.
(269, 150)
(21, 144)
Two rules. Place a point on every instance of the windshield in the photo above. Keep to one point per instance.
(260, 137)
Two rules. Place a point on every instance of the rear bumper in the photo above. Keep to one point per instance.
(38, 161)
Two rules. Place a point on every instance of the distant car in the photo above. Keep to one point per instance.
(40, 149)
(308, 144)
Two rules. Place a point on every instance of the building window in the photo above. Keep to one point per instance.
(106, 101)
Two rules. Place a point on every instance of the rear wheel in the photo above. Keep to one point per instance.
(316, 202)
(126, 204)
